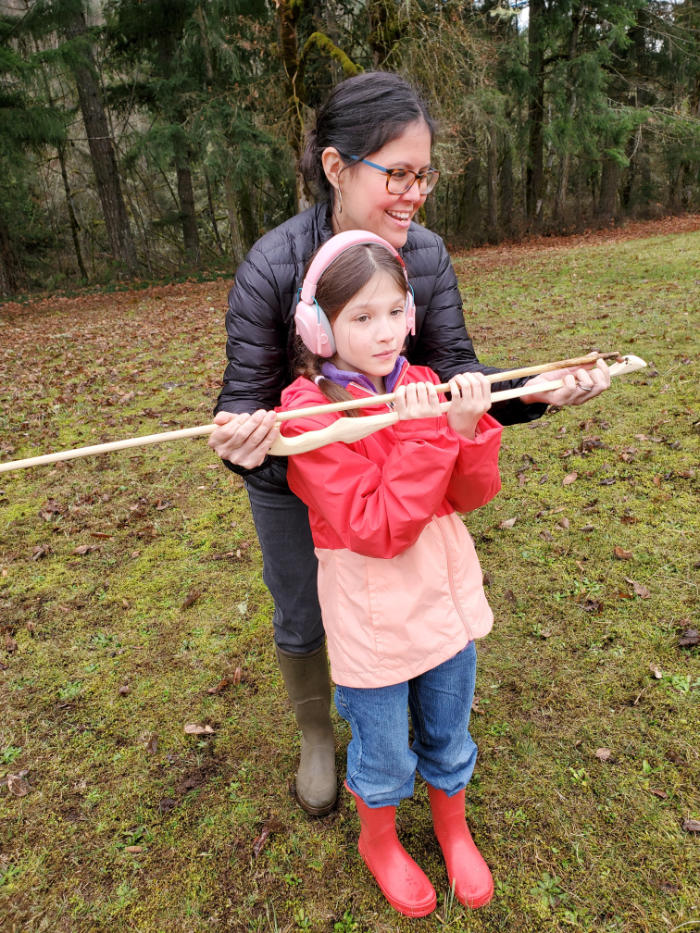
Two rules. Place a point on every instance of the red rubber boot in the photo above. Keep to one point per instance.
(402, 881)
(465, 864)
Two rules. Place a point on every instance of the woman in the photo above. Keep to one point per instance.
(369, 157)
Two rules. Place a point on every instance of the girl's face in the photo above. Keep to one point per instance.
(370, 330)
(366, 204)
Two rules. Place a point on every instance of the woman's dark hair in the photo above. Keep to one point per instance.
(362, 114)
(340, 281)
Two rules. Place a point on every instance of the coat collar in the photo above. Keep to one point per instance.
(343, 377)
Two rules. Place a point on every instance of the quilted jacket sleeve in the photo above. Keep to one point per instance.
(256, 346)
(376, 510)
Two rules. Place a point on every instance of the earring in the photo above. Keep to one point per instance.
(339, 201)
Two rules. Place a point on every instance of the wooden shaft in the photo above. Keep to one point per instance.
(628, 364)
(106, 448)
(504, 376)
(199, 431)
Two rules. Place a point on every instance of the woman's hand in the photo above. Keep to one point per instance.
(580, 385)
(471, 399)
(244, 439)
(417, 400)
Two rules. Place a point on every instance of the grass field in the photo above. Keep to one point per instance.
(132, 605)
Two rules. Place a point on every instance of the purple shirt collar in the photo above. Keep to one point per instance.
(343, 377)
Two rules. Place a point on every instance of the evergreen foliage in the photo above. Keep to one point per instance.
(164, 137)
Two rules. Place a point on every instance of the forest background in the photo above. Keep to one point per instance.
(158, 139)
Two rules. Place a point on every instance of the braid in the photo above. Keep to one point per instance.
(307, 364)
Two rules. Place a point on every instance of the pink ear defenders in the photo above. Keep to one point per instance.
(312, 325)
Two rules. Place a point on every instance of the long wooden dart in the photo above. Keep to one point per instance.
(505, 376)
(349, 430)
(286, 446)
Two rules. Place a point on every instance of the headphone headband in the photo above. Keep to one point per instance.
(311, 323)
(330, 251)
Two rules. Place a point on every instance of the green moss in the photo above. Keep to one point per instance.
(118, 648)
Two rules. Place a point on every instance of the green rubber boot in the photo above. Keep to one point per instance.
(308, 685)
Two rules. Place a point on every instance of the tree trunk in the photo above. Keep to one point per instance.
(188, 216)
(104, 160)
(492, 188)
(73, 220)
(506, 196)
(469, 219)
(534, 185)
(565, 161)
(609, 181)
(10, 269)
(232, 207)
(72, 217)
(212, 215)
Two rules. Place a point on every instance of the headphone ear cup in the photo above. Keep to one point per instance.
(314, 328)
(410, 310)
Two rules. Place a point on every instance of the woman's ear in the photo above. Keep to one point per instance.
(332, 166)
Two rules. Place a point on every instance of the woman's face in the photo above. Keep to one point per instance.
(366, 204)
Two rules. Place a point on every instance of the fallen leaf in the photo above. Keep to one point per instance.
(41, 550)
(691, 826)
(124, 690)
(18, 785)
(689, 638)
(563, 522)
(271, 826)
(237, 675)
(621, 553)
(195, 728)
(657, 673)
(152, 744)
(603, 754)
(10, 645)
(661, 794)
(569, 478)
(220, 687)
(85, 549)
(507, 522)
(50, 510)
(191, 598)
(133, 850)
(639, 589)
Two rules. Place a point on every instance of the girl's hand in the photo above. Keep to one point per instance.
(580, 385)
(417, 400)
(244, 439)
(471, 399)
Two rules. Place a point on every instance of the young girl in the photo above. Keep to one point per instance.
(399, 581)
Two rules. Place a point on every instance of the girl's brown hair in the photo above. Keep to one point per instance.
(338, 283)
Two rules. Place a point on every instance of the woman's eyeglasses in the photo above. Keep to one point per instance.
(400, 180)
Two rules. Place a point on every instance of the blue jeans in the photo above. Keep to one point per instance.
(381, 766)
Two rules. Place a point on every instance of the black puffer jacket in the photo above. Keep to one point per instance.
(260, 317)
